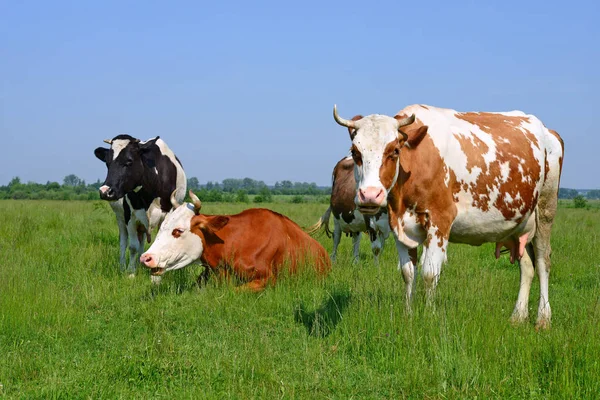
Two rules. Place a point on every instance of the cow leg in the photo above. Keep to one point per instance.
(521, 311)
(355, 246)
(117, 207)
(134, 247)
(434, 257)
(542, 250)
(137, 239)
(408, 266)
(122, 242)
(257, 285)
(337, 235)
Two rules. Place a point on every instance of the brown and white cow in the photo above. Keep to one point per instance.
(346, 217)
(449, 176)
(253, 245)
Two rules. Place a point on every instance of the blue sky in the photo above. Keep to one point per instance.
(246, 89)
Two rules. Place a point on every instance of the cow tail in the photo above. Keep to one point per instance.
(323, 222)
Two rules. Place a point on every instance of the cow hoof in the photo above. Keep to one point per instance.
(518, 318)
(542, 325)
(131, 276)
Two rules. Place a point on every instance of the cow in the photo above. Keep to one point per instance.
(253, 245)
(463, 177)
(347, 218)
(140, 179)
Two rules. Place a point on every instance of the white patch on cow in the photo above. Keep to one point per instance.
(409, 232)
(117, 146)
(181, 181)
(173, 253)
(504, 171)
(508, 198)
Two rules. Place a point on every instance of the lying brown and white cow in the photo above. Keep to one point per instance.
(346, 217)
(475, 177)
(253, 245)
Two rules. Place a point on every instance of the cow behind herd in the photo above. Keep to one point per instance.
(429, 175)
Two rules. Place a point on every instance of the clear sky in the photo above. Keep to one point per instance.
(246, 89)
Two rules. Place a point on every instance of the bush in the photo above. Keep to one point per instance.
(242, 196)
(298, 199)
(579, 201)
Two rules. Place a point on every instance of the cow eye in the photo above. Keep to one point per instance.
(356, 156)
(177, 232)
(395, 153)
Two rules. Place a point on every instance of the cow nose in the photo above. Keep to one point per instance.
(106, 192)
(371, 196)
(148, 260)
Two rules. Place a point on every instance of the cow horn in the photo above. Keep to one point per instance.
(174, 202)
(343, 122)
(406, 121)
(107, 141)
(196, 201)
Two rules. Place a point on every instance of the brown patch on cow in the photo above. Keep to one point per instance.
(356, 155)
(513, 146)
(420, 186)
(343, 190)
(255, 245)
(474, 148)
(389, 163)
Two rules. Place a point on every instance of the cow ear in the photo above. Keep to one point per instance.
(146, 152)
(217, 223)
(416, 137)
(101, 153)
(351, 131)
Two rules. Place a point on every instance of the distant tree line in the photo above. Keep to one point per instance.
(564, 193)
(229, 190)
(254, 187)
(72, 188)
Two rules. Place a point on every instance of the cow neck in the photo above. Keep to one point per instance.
(212, 253)
(399, 197)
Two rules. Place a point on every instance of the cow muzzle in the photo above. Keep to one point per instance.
(106, 193)
(151, 261)
(371, 199)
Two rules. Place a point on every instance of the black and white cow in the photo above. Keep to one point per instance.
(141, 177)
(346, 216)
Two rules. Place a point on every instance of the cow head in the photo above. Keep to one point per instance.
(376, 144)
(182, 237)
(126, 160)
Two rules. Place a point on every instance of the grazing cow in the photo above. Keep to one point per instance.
(253, 244)
(141, 177)
(347, 218)
(475, 177)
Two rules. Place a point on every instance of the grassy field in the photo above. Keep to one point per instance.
(72, 327)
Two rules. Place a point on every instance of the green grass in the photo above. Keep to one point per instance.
(71, 326)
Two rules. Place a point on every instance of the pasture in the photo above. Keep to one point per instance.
(71, 326)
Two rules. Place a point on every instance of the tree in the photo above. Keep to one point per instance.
(193, 184)
(73, 180)
(14, 181)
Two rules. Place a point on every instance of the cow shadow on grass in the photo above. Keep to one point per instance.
(322, 321)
